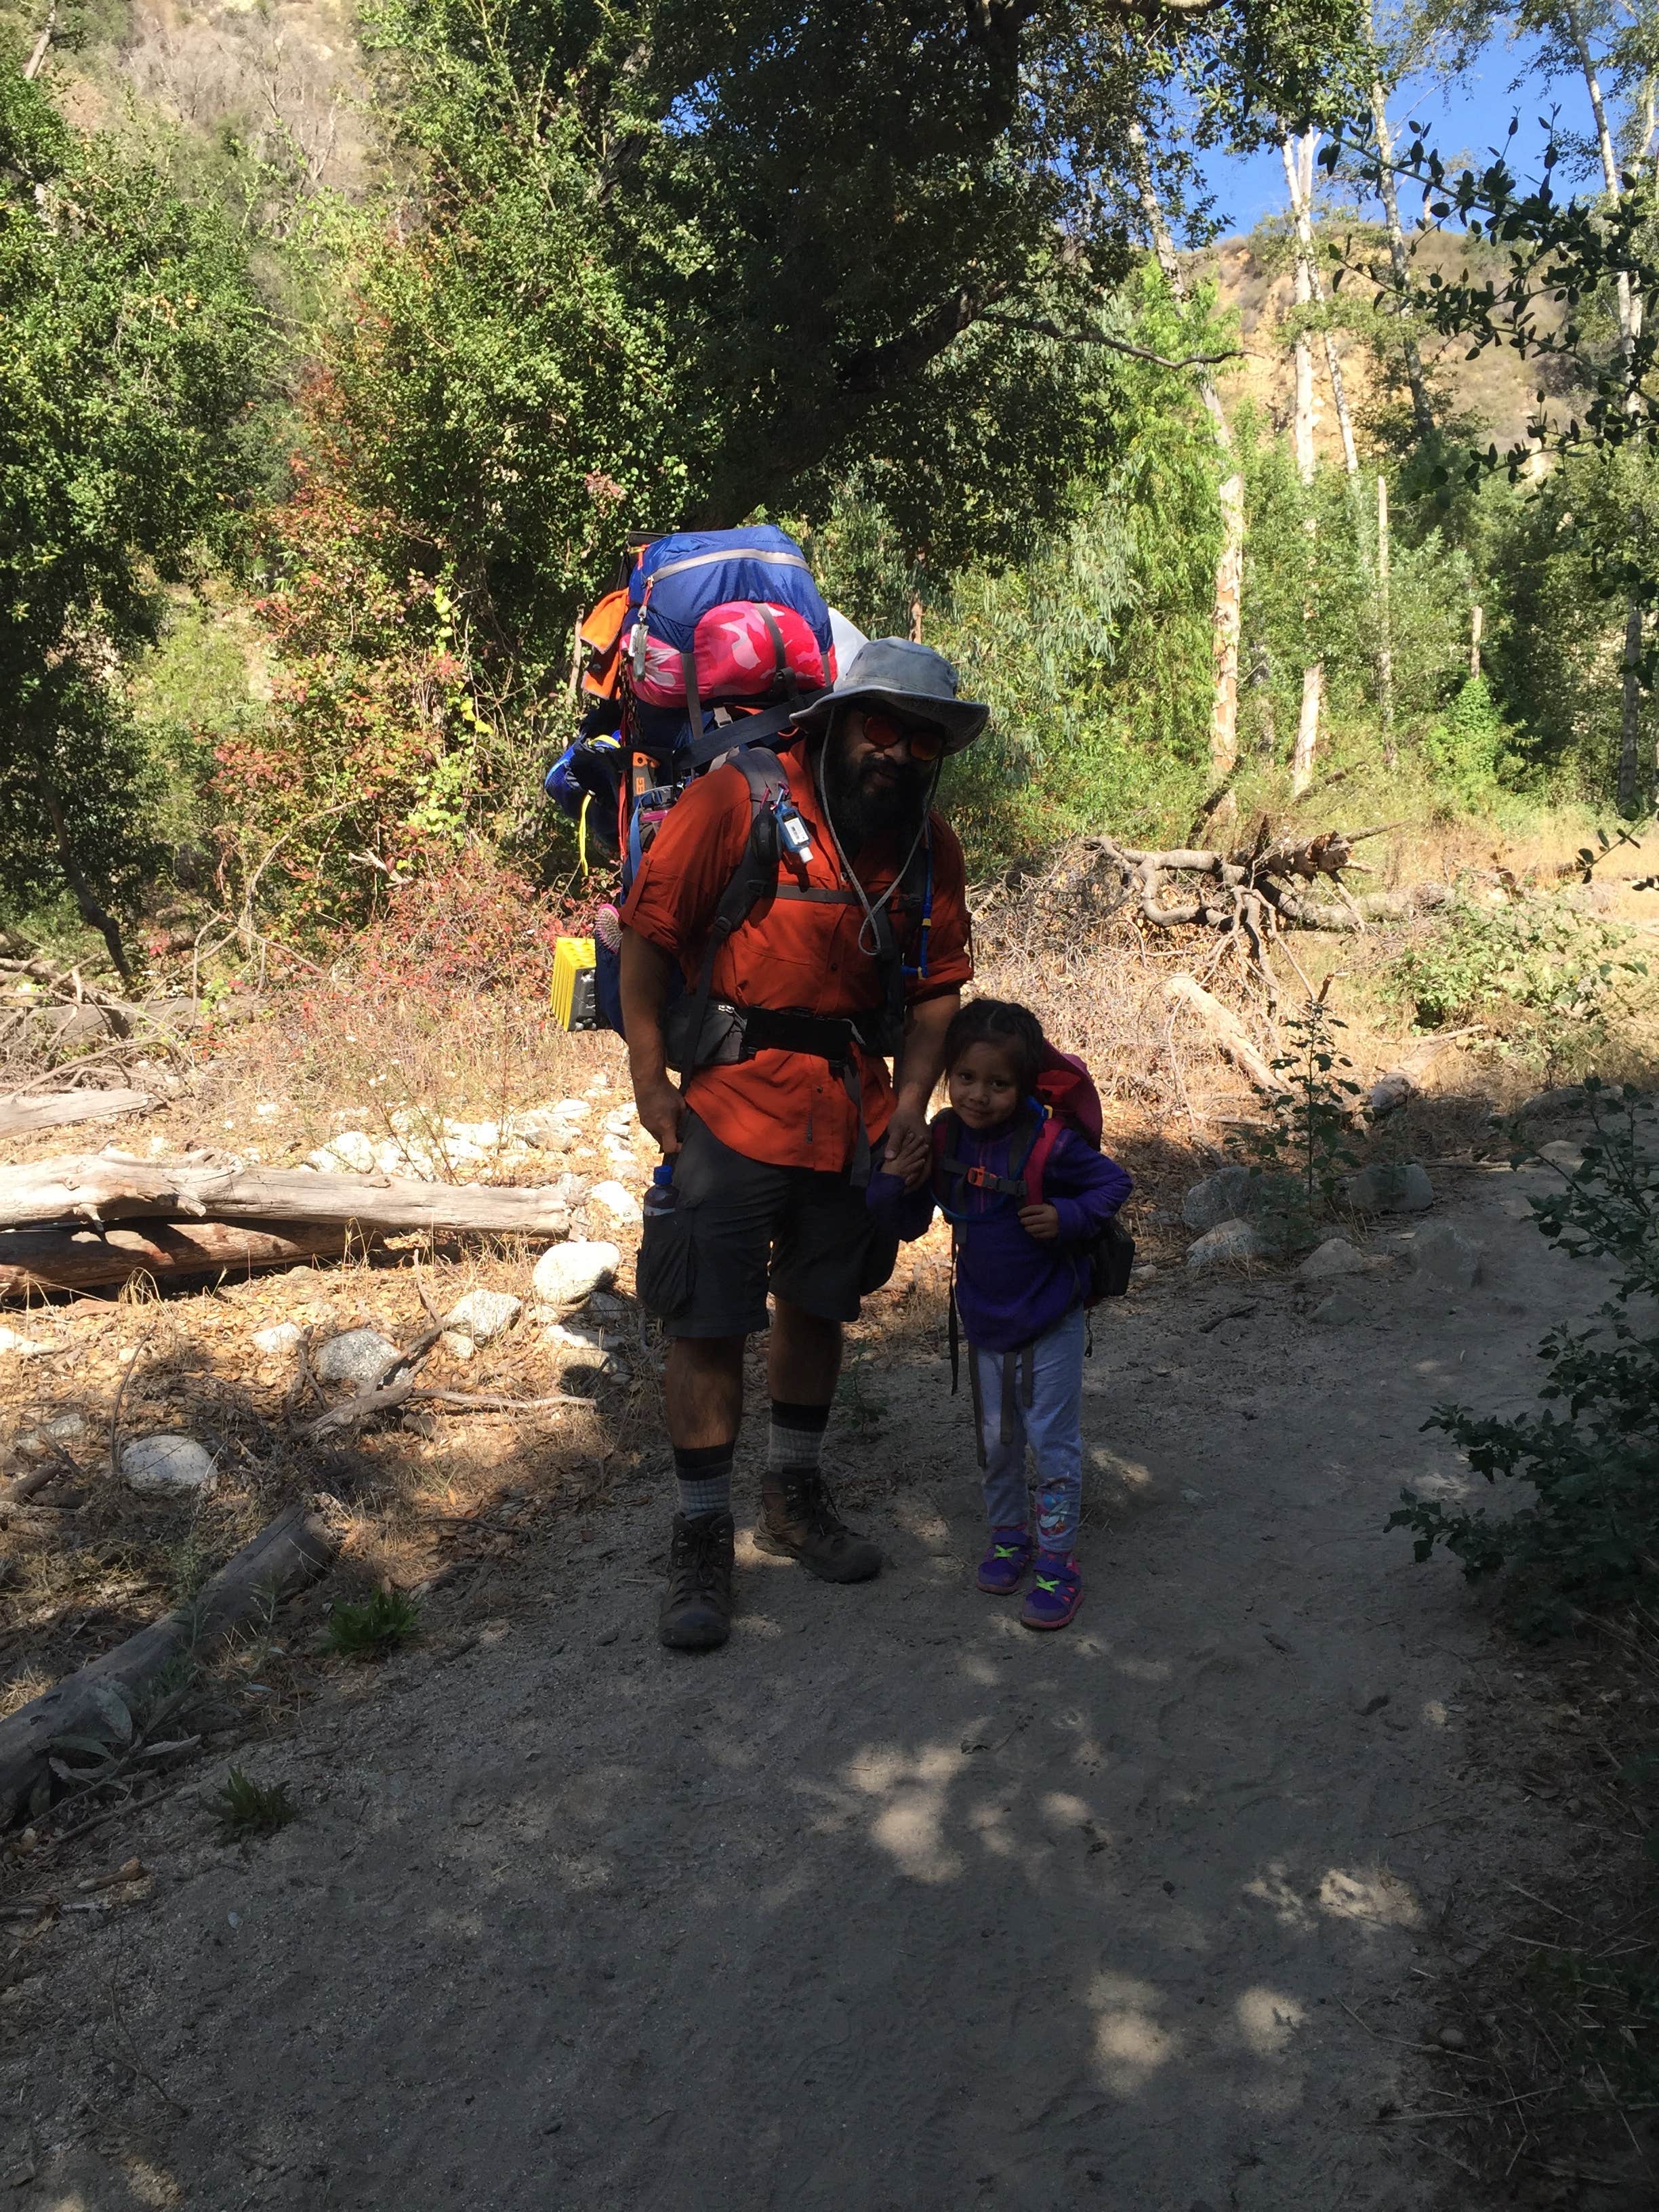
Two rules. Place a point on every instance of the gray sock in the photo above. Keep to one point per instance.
(704, 1476)
(795, 1437)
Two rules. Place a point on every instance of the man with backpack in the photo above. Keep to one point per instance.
(797, 985)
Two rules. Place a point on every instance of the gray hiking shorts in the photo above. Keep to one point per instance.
(740, 1228)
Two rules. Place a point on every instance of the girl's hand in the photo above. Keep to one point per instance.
(1042, 1222)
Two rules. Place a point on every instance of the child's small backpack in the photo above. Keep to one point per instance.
(1065, 1091)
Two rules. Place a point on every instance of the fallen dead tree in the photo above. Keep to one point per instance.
(37, 1262)
(100, 1188)
(292, 1551)
(22, 1114)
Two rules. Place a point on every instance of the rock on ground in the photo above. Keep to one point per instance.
(618, 1200)
(282, 1336)
(566, 1274)
(1335, 1256)
(1391, 1187)
(349, 1153)
(481, 1314)
(356, 1356)
(167, 1467)
(1442, 1252)
(1228, 1240)
(24, 1347)
(1276, 1204)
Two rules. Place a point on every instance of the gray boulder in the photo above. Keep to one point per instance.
(356, 1356)
(1228, 1241)
(1391, 1187)
(1276, 1204)
(1339, 1310)
(1335, 1257)
(1444, 1255)
(167, 1467)
(481, 1314)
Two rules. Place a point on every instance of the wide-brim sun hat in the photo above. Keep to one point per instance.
(911, 681)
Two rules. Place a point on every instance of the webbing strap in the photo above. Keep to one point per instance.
(756, 875)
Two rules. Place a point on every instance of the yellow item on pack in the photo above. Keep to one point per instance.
(572, 988)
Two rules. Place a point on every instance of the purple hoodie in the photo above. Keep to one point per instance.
(1010, 1288)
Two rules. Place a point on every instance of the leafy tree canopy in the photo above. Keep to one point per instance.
(132, 353)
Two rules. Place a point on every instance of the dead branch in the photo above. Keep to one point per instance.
(1250, 893)
(1225, 1028)
(96, 1187)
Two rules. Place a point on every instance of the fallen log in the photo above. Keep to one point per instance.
(22, 1115)
(292, 1551)
(34, 1261)
(101, 1187)
(1225, 1028)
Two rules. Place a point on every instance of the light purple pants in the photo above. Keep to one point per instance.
(1050, 1372)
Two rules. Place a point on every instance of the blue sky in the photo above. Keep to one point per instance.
(1465, 120)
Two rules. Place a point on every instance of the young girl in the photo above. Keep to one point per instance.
(1022, 1277)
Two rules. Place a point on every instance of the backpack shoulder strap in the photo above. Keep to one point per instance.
(756, 875)
(1042, 1150)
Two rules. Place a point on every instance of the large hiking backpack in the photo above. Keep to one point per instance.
(703, 655)
(1066, 1099)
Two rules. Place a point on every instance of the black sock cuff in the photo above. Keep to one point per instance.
(702, 1461)
(807, 1421)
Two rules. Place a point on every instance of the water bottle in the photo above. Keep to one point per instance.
(660, 1198)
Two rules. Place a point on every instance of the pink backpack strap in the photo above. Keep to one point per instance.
(1042, 1152)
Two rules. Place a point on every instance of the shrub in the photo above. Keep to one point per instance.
(1527, 967)
(1591, 1532)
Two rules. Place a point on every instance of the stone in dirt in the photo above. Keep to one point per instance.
(1340, 1308)
(457, 1343)
(1335, 1256)
(567, 1273)
(167, 1467)
(1445, 1255)
(24, 1347)
(1391, 1187)
(283, 1336)
(579, 1339)
(349, 1153)
(481, 1314)
(1276, 1204)
(1564, 1098)
(616, 1199)
(1228, 1240)
(356, 1356)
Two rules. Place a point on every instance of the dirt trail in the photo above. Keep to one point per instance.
(893, 1904)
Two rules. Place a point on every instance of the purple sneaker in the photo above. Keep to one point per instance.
(1055, 1594)
(1003, 1568)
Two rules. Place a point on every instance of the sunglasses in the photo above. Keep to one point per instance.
(926, 744)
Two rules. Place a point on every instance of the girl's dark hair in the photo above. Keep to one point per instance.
(1013, 1030)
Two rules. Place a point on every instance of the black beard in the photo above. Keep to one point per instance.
(873, 805)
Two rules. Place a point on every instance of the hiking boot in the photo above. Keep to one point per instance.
(696, 1608)
(1055, 1594)
(1003, 1568)
(798, 1521)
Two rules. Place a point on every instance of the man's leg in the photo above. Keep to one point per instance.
(798, 1519)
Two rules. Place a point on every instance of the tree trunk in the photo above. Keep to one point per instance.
(1307, 729)
(1630, 718)
(40, 1262)
(1312, 675)
(1400, 260)
(87, 906)
(1477, 623)
(1299, 174)
(1630, 299)
(92, 1188)
(1229, 562)
(1384, 627)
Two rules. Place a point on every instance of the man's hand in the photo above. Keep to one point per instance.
(1042, 1222)
(909, 1148)
(662, 1109)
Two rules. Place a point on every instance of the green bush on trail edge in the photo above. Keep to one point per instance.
(1591, 1536)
